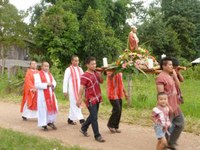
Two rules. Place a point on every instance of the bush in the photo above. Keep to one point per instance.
(192, 73)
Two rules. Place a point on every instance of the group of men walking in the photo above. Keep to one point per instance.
(39, 100)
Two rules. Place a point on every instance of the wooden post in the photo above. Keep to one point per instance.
(130, 88)
(3, 60)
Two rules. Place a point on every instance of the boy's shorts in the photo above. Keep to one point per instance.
(159, 131)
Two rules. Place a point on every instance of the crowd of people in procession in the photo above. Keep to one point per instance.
(39, 100)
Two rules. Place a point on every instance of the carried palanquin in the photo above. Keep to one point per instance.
(139, 59)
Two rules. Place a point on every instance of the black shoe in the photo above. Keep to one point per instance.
(52, 126)
(84, 133)
(82, 121)
(71, 122)
(100, 139)
(45, 128)
(24, 118)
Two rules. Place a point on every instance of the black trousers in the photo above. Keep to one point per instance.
(177, 128)
(115, 117)
(92, 119)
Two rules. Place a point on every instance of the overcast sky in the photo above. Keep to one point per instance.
(23, 4)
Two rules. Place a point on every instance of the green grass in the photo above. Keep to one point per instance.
(12, 140)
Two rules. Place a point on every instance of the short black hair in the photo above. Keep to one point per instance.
(160, 93)
(175, 62)
(73, 56)
(89, 59)
(32, 61)
(164, 61)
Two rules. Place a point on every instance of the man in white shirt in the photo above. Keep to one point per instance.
(71, 86)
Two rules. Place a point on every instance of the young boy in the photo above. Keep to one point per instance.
(160, 117)
(115, 92)
(90, 84)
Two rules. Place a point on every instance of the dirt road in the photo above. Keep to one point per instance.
(132, 137)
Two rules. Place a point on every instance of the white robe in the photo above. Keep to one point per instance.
(29, 113)
(74, 112)
(43, 117)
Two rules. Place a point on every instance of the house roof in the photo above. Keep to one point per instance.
(9, 63)
(196, 61)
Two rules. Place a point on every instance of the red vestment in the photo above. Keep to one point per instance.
(28, 95)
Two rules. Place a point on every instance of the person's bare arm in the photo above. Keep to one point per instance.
(179, 75)
(125, 94)
(160, 88)
(80, 94)
(100, 77)
(174, 75)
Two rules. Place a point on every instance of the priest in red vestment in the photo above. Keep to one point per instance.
(29, 100)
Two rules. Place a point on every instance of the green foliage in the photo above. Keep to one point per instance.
(160, 38)
(183, 16)
(192, 73)
(3, 84)
(99, 40)
(58, 35)
(16, 140)
(13, 30)
(172, 28)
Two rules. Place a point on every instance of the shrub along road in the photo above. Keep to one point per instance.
(132, 137)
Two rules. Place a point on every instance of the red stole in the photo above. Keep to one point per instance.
(75, 79)
(50, 100)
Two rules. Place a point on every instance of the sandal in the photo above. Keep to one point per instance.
(84, 133)
(100, 139)
(118, 131)
(52, 126)
(112, 130)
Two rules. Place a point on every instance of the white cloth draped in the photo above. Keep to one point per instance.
(30, 114)
(74, 112)
(43, 117)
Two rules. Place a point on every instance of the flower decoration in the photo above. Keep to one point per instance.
(133, 61)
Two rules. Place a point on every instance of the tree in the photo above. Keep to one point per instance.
(183, 16)
(13, 30)
(57, 35)
(98, 39)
